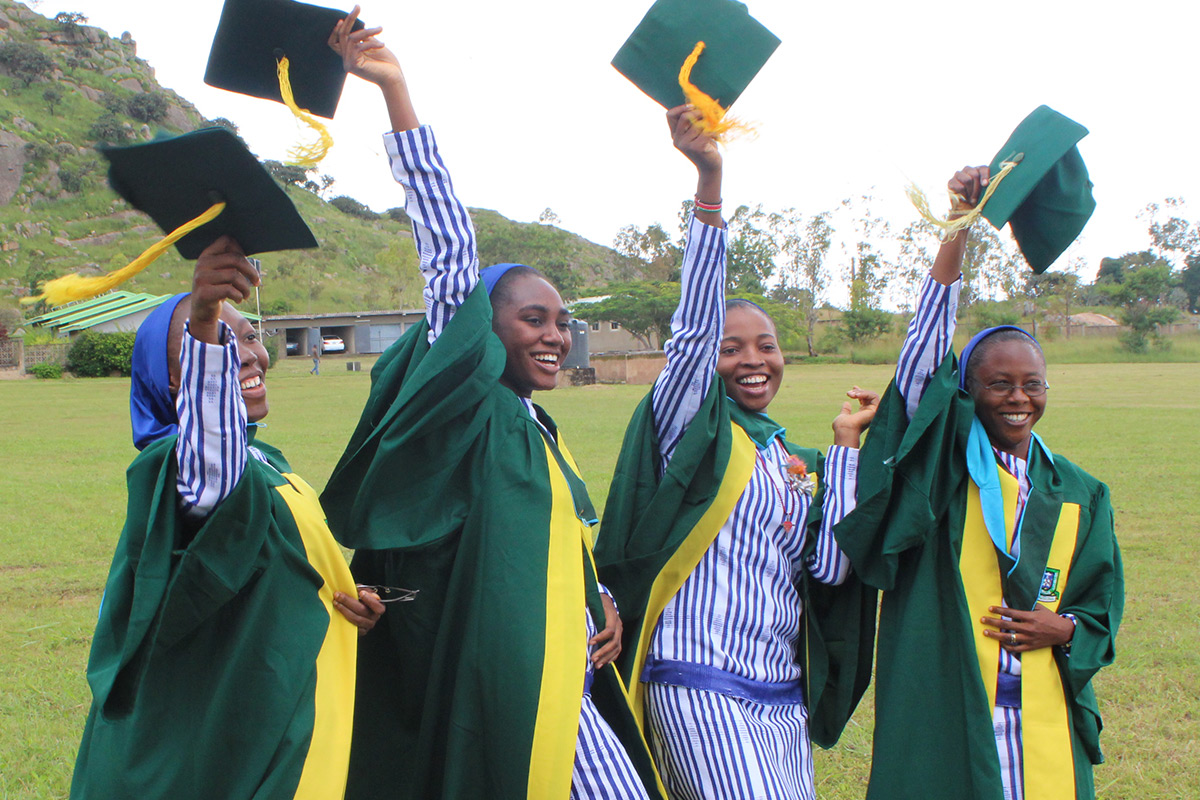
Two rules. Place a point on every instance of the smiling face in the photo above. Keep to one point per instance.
(529, 317)
(255, 362)
(254, 358)
(1008, 418)
(750, 361)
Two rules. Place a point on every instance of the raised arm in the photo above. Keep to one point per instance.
(442, 228)
(931, 332)
(211, 448)
(699, 320)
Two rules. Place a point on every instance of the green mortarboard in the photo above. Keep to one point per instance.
(253, 34)
(1047, 198)
(176, 179)
(737, 46)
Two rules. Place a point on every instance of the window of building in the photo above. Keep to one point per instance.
(616, 326)
(595, 326)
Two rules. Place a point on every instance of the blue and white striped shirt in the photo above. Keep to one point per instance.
(212, 446)
(739, 610)
(441, 225)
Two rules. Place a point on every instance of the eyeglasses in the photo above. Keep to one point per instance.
(1004, 388)
(391, 594)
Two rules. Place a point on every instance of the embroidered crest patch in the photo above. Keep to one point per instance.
(1049, 591)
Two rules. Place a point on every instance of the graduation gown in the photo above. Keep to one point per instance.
(657, 527)
(448, 486)
(219, 667)
(917, 535)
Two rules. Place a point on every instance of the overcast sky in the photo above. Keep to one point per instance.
(529, 113)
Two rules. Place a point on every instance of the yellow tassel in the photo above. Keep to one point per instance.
(82, 287)
(949, 227)
(303, 155)
(713, 118)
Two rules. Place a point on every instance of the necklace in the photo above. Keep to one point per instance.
(788, 524)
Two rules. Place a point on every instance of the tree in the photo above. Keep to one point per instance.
(70, 21)
(348, 205)
(916, 259)
(806, 275)
(548, 217)
(1189, 281)
(147, 107)
(991, 267)
(1142, 296)
(643, 308)
(398, 214)
(1053, 293)
(1172, 234)
(53, 96)
(653, 247)
(26, 61)
(750, 253)
(108, 128)
(867, 271)
(287, 174)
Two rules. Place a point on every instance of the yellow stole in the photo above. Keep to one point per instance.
(556, 728)
(1045, 719)
(328, 759)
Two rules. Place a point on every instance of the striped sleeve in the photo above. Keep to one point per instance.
(696, 329)
(930, 337)
(828, 564)
(442, 228)
(211, 448)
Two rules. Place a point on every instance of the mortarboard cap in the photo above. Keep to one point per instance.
(176, 179)
(253, 34)
(1047, 197)
(737, 46)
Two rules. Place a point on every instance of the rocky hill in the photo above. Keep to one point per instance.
(65, 86)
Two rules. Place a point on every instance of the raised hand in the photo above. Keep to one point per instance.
(967, 186)
(851, 423)
(364, 55)
(222, 273)
(699, 147)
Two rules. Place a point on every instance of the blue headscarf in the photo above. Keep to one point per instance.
(492, 275)
(151, 407)
(979, 337)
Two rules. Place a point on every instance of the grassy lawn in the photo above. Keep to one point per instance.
(66, 445)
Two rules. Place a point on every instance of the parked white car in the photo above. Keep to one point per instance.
(333, 344)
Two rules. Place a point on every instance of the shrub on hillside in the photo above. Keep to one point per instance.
(26, 61)
(348, 205)
(108, 128)
(46, 371)
(148, 107)
(98, 355)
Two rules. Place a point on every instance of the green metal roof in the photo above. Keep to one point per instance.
(105, 308)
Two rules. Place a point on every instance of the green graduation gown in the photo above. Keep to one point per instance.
(448, 486)
(933, 722)
(219, 668)
(657, 527)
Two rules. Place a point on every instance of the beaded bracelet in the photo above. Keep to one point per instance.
(712, 207)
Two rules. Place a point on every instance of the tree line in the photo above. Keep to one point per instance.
(796, 264)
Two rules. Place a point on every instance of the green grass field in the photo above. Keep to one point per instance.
(66, 445)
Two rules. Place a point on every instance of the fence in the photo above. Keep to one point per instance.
(14, 354)
(10, 354)
(46, 354)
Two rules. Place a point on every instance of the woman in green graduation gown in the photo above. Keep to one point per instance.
(497, 680)
(218, 667)
(1001, 577)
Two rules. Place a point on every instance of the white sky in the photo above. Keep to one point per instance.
(530, 114)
